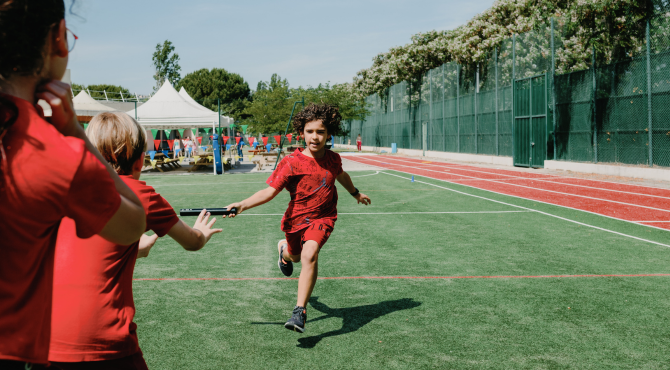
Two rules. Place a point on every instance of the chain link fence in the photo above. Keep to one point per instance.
(614, 113)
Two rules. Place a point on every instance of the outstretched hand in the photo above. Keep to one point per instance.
(362, 198)
(146, 243)
(59, 97)
(237, 205)
(204, 225)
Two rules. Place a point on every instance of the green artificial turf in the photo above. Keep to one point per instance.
(477, 323)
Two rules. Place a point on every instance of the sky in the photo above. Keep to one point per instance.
(306, 42)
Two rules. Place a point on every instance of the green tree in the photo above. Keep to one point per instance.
(206, 86)
(270, 107)
(166, 62)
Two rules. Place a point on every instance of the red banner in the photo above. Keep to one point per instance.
(289, 136)
(225, 139)
(170, 143)
(251, 140)
(237, 140)
(199, 139)
(265, 140)
(277, 139)
(157, 144)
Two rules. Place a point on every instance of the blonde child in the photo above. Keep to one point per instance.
(93, 308)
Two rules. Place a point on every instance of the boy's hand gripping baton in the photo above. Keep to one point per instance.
(212, 211)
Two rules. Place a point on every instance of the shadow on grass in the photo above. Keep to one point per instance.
(353, 318)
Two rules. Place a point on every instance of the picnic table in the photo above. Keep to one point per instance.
(161, 162)
(266, 159)
(201, 161)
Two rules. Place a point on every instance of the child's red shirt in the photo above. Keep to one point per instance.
(46, 177)
(311, 183)
(93, 307)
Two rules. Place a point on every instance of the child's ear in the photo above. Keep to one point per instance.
(139, 163)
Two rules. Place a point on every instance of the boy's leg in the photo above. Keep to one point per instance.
(309, 271)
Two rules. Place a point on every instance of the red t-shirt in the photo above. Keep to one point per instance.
(46, 177)
(93, 307)
(311, 183)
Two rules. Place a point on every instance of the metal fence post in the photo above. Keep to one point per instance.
(430, 110)
(593, 113)
(553, 85)
(444, 137)
(649, 115)
(476, 101)
(495, 55)
(458, 108)
(513, 92)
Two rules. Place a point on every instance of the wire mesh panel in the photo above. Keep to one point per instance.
(436, 127)
(574, 116)
(487, 118)
(660, 87)
(467, 107)
(621, 112)
(505, 121)
(450, 89)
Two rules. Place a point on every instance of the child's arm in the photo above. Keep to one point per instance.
(261, 197)
(345, 180)
(194, 238)
(146, 243)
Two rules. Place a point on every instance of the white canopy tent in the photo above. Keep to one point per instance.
(84, 105)
(167, 109)
(188, 98)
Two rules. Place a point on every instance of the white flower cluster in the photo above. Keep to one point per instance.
(613, 28)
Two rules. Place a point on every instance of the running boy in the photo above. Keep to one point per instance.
(92, 319)
(309, 175)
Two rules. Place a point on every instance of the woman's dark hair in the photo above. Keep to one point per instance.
(326, 113)
(24, 27)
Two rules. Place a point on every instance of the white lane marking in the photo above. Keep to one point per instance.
(545, 190)
(210, 183)
(536, 201)
(534, 210)
(376, 173)
(545, 180)
(392, 213)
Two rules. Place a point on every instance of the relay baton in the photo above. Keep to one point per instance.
(212, 211)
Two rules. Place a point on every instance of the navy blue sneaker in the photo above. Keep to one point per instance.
(297, 320)
(286, 267)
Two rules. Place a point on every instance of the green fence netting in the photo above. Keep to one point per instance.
(614, 113)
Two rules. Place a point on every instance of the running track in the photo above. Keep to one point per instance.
(639, 204)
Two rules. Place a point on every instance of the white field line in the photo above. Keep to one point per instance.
(393, 213)
(210, 183)
(537, 201)
(547, 180)
(532, 200)
(545, 190)
(534, 210)
(478, 179)
(376, 173)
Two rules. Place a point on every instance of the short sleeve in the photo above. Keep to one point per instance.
(280, 175)
(92, 199)
(161, 217)
(337, 165)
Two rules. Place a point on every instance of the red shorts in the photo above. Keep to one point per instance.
(318, 232)
(132, 362)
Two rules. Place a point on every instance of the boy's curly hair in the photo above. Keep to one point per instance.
(326, 113)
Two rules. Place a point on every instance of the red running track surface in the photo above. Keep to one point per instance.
(644, 205)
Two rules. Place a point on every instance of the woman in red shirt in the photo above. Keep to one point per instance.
(48, 170)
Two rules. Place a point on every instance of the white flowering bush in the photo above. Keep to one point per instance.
(613, 28)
